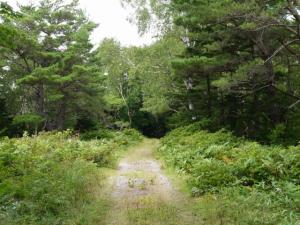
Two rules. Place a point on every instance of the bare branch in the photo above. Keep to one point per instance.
(293, 105)
(284, 45)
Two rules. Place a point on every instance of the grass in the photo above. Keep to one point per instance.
(150, 211)
(94, 211)
(234, 181)
(58, 179)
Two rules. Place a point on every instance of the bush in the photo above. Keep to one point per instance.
(44, 178)
(96, 134)
(244, 206)
(210, 175)
(219, 163)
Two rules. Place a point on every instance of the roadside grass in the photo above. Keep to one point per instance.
(150, 211)
(233, 181)
(230, 206)
(235, 208)
(179, 180)
(95, 210)
(58, 179)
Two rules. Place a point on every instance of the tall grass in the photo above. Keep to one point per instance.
(52, 178)
(237, 181)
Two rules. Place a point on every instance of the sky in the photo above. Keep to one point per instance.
(112, 20)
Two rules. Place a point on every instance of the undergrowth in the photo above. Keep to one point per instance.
(237, 181)
(55, 178)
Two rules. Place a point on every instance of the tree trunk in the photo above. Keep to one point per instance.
(120, 88)
(40, 99)
(208, 83)
(189, 87)
(289, 82)
(273, 113)
(61, 117)
(222, 109)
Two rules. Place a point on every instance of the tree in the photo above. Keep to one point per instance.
(48, 56)
(238, 47)
(115, 67)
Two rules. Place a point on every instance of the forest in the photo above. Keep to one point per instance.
(214, 101)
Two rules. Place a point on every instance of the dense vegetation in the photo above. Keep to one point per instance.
(222, 78)
(52, 78)
(240, 182)
(239, 66)
(235, 63)
(56, 178)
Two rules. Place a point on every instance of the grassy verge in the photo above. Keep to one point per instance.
(151, 211)
(56, 178)
(235, 181)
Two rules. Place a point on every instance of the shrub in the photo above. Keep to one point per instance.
(96, 134)
(234, 171)
(44, 178)
(210, 175)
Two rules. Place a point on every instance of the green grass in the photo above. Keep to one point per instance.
(56, 178)
(149, 211)
(235, 181)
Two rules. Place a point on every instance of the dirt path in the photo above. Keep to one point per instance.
(143, 195)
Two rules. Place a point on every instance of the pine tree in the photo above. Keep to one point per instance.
(50, 54)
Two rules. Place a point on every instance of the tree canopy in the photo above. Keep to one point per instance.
(234, 63)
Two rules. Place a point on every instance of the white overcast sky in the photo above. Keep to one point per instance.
(112, 20)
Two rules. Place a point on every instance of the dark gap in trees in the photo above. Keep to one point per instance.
(152, 126)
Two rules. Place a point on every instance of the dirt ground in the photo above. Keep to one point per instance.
(142, 194)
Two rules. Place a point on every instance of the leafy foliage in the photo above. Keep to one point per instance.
(238, 67)
(47, 179)
(234, 169)
(46, 65)
(235, 63)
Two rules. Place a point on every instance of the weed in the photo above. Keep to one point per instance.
(250, 183)
(52, 178)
